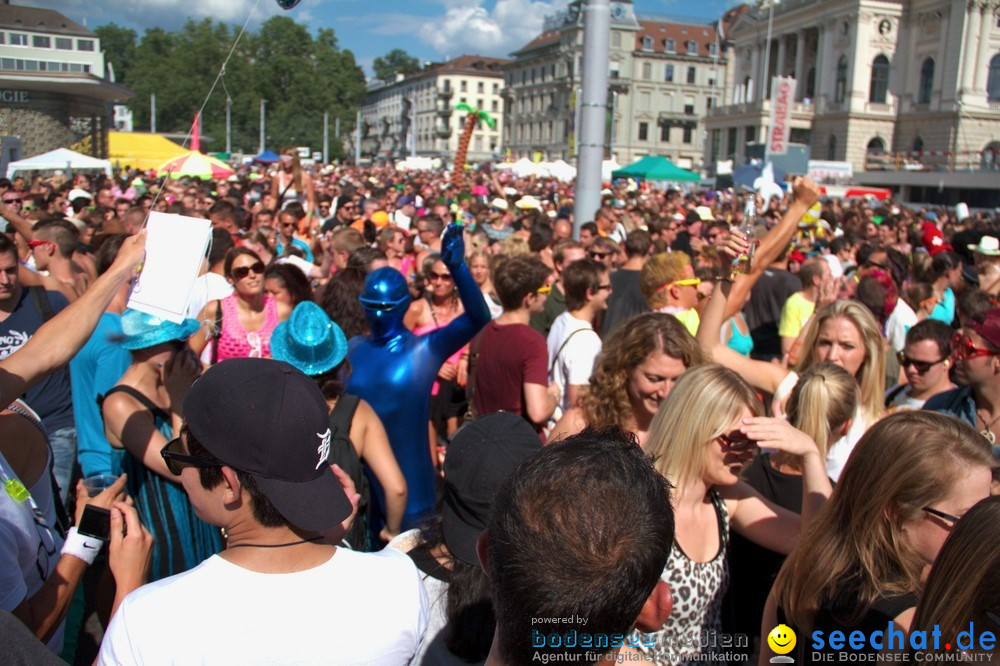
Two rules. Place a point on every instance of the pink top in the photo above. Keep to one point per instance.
(236, 342)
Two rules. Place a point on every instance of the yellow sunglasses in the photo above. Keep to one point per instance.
(687, 282)
(544, 289)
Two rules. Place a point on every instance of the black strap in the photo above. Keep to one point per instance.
(555, 359)
(146, 402)
(217, 332)
(342, 416)
(41, 300)
(281, 197)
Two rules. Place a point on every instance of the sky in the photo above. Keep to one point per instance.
(431, 30)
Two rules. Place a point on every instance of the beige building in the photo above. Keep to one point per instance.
(415, 115)
(907, 87)
(663, 76)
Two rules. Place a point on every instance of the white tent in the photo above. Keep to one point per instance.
(608, 167)
(561, 170)
(60, 158)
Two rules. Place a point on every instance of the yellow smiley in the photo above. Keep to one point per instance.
(781, 640)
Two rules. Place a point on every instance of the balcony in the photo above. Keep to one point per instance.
(676, 119)
(800, 110)
(444, 93)
(442, 132)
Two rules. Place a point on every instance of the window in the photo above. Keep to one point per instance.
(716, 143)
(918, 145)
(665, 133)
(750, 133)
(616, 39)
(493, 106)
(926, 81)
(41, 41)
(668, 73)
(692, 74)
(670, 45)
(688, 134)
(463, 86)
(689, 109)
(713, 49)
(647, 71)
(18, 39)
(875, 147)
(692, 47)
(85, 45)
(708, 103)
(496, 88)
(647, 43)
(731, 142)
(645, 101)
(3, 37)
(480, 87)
(879, 88)
(841, 85)
(831, 148)
(643, 131)
(811, 83)
(479, 104)
(993, 82)
(614, 71)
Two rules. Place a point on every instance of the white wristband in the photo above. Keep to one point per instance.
(82, 547)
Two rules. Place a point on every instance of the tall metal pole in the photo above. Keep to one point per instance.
(229, 127)
(357, 139)
(596, 34)
(336, 127)
(152, 113)
(326, 137)
(614, 124)
(766, 78)
(263, 103)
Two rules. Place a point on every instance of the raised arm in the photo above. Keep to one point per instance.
(59, 339)
(446, 341)
(21, 224)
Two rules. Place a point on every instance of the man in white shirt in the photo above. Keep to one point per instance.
(253, 458)
(572, 342)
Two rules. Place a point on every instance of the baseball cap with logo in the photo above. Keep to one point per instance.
(265, 418)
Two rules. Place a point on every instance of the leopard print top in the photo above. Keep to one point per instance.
(697, 589)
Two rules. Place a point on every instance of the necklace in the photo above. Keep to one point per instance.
(987, 432)
(273, 545)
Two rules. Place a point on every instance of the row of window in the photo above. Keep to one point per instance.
(687, 137)
(463, 86)
(691, 75)
(878, 87)
(45, 42)
(21, 65)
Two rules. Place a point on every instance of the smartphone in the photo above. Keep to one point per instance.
(95, 523)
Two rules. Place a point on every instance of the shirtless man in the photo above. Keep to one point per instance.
(52, 246)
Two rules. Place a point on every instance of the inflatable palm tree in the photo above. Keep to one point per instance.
(472, 119)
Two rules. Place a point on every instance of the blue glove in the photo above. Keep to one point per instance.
(452, 246)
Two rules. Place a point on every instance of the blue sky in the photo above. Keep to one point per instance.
(428, 29)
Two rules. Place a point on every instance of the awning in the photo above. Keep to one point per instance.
(60, 158)
(141, 150)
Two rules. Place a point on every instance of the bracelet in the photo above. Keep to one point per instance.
(81, 547)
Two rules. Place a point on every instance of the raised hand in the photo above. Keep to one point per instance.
(452, 246)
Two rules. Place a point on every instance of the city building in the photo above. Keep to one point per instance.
(907, 92)
(663, 77)
(53, 86)
(416, 115)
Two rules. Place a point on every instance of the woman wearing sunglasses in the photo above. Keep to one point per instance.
(142, 412)
(701, 439)
(240, 326)
(862, 563)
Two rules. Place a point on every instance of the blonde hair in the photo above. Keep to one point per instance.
(903, 463)
(965, 579)
(703, 404)
(658, 271)
(822, 402)
(514, 246)
(871, 374)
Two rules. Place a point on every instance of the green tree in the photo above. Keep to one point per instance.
(396, 61)
(118, 44)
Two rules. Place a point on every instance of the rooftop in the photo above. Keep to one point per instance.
(40, 20)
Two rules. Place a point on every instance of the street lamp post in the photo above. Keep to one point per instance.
(593, 107)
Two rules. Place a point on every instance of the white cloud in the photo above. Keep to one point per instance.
(469, 27)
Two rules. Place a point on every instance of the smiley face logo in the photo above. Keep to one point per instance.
(781, 640)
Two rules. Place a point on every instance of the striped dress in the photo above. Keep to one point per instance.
(183, 541)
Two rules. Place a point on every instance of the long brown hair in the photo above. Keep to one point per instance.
(606, 401)
(903, 463)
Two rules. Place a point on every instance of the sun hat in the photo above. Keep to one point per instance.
(309, 340)
(528, 202)
(266, 419)
(988, 245)
(704, 214)
(500, 204)
(142, 331)
(481, 456)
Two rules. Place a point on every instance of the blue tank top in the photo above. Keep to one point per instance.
(739, 343)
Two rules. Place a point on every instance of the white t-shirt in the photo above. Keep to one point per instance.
(575, 362)
(208, 287)
(401, 220)
(902, 319)
(27, 546)
(356, 608)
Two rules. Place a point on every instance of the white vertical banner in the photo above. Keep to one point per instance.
(782, 98)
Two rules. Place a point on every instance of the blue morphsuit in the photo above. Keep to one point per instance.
(393, 369)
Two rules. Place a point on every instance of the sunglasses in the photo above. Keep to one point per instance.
(37, 243)
(874, 264)
(686, 282)
(599, 255)
(243, 271)
(601, 287)
(942, 515)
(544, 289)
(173, 455)
(920, 366)
(438, 276)
(736, 442)
(964, 348)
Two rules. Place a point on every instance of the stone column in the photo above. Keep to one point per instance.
(779, 70)
(972, 21)
(754, 73)
(983, 55)
(859, 72)
(800, 61)
(824, 63)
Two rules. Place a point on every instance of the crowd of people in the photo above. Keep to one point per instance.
(407, 422)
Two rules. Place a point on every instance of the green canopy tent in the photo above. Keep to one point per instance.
(655, 167)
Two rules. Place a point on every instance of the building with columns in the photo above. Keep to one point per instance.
(664, 76)
(415, 115)
(893, 87)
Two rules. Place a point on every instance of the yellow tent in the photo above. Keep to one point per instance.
(141, 150)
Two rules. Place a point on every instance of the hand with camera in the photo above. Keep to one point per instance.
(130, 550)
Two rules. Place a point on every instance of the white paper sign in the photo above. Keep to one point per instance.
(175, 247)
(782, 99)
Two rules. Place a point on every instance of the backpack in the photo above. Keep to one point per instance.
(343, 454)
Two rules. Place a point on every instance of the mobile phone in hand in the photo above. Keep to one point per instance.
(95, 523)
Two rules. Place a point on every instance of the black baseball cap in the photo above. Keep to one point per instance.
(267, 419)
(480, 457)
